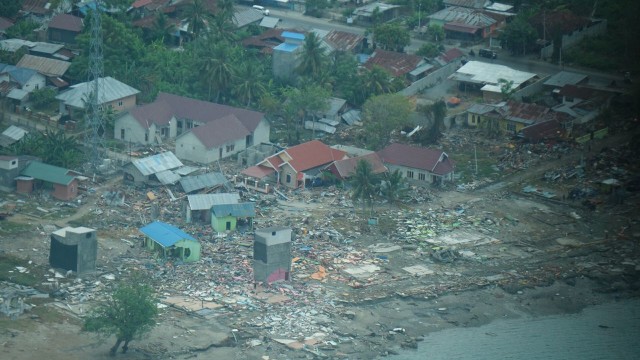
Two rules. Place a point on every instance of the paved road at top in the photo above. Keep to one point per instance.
(296, 20)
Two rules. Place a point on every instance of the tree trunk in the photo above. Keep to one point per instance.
(115, 347)
(125, 347)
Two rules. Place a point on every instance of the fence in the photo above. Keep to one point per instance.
(597, 28)
(431, 79)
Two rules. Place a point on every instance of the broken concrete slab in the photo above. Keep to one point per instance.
(382, 248)
(362, 271)
(418, 270)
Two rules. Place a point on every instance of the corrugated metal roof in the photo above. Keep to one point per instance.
(156, 163)
(192, 183)
(14, 132)
(238, 210)
(48, 173)
(165, 234)
(206, 201)
(351, 116)
(269, 22)
(167, 177)
(45, 66)
(46, 48)
(110, 89)
(246, 17)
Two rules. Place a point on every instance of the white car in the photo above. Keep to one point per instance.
(262, 9)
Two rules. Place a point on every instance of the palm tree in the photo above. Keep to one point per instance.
(198, 17)
(313, 57)
(394, 187)
(162, 27)
(377, 81)
(249, 83)
(217, 68)
(364, 182)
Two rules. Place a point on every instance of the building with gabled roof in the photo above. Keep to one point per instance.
(227, 217)
(215, 140)
(208, 181)
(38, 175)
(16, 77)
(205, 131)
(171, 242)
(198, 206)
(337, 40)
(266, 41)
(154, 168)
(400, 65)
(466, 23)
(63, 28)
(418, 164)
(296, 166)
(43, 65)
(344, 169)
(112, 93)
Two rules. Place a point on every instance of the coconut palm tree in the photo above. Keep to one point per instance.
(249, 83)
(198, 16)
(364, 184)
(313, 57)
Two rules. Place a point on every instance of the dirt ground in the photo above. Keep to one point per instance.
(481, 254)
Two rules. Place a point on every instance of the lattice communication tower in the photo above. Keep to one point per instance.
(94, 129)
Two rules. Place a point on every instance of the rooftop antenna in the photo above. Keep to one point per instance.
(94, 130)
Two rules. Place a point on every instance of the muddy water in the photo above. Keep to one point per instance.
(609, 331)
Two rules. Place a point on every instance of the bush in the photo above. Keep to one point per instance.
(42, 98)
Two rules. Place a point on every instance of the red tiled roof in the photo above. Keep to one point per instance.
(220, 131)
(140, 3)
(544, 130)
(451, 54)
(36, 6)
(417, 158)
(398, 64)
(257, 171)
(5, 23)
(312, 154)
(347, 167)
(66, 22)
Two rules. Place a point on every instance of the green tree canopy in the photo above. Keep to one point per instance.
(436, 113)
(392, 36)
(394, 186)
(518, 36)
(128, 314)
(9, 9)
(382, 115)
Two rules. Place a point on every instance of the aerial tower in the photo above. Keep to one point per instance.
(94, 129)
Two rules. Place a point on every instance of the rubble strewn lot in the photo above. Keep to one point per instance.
(360, 289)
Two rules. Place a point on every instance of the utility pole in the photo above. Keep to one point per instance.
(475, 155)
(419, 18)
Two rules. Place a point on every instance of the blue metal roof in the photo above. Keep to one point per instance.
(292, 35)
(165, 234)
(286, 47)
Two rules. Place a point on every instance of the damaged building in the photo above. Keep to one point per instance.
(171, 242)
(272, 254)
(74, 248)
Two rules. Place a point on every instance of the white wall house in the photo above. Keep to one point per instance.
(204, 131)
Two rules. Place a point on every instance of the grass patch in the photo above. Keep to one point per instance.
(466, 164)
(9, 226)
(8, 271)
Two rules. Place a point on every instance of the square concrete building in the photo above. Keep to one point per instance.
(74, 249)
(272, 254)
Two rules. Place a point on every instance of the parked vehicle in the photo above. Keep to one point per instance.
(488, 53)
(261, 9)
